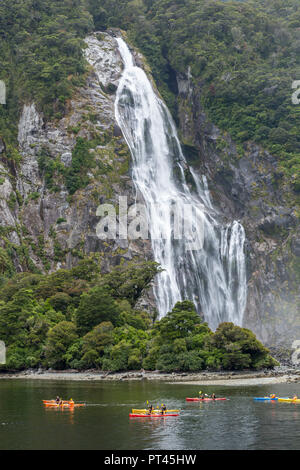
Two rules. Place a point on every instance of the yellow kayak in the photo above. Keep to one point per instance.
(290, 400)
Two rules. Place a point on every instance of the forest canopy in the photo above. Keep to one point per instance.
(82, 319)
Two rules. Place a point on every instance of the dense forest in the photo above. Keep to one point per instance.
(243, 58)
(80, 318)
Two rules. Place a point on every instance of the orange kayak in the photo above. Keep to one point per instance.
(64, 405)
(54, 401)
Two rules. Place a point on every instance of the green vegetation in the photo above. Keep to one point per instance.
(243, 58)
(80, 318)
(180, 341)
(55, 320)
(82, 160)
(41, 55)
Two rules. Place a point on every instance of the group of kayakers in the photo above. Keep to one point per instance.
(202, 395)
(162, 409)
(59, 401)
(272, 396)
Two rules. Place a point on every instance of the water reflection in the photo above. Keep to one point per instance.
(68, 411)
(238, 423)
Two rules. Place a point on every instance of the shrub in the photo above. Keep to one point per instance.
(59, 339)
(95, 307)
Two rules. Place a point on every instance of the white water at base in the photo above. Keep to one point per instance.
(213, 274)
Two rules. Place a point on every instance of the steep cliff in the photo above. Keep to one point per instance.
(246, 183)
(65, 169)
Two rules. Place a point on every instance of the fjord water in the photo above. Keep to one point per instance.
(238, 424)
(202, 259)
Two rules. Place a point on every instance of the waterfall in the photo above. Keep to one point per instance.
(202, 261)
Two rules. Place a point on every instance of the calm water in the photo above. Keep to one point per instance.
(236, 424)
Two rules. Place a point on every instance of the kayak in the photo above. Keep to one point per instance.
(46, 402)
(152, 415)
(64, 405)
(289, 400)
(153, 411)
(205, 399)
(265, 399)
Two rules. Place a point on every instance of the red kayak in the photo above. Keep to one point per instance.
(204, 399)
(153, 415)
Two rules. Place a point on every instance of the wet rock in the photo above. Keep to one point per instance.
(247, 184)
(117, 131)
(295, 246)
(66, 159)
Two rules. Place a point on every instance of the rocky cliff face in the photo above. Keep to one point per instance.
(247, 184)
(42, 223)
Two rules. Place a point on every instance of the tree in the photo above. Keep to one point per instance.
(95, 342)
(6, 265)
(240, 348)
(60, 301)
(14, 316)
(179, 323)
(95, 307)
(59, 339)
(128, 281)
(179, 341)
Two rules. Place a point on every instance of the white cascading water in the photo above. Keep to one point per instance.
(212, 274)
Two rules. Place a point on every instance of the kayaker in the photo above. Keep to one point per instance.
(71, 402)
(295, 397)
(57, 400)
(150, 409)
(163, 409)
(272, 396)
(213, 396)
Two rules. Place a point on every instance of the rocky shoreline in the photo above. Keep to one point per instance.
(280, 374)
